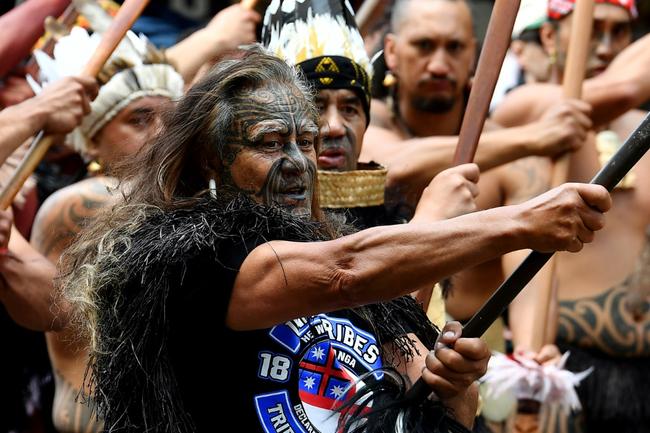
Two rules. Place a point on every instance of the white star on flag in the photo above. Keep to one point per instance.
(318, 353)
(309, 382)
(337, 391)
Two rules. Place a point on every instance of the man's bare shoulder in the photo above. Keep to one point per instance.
(378, 144)
(526, 104)
(380, 139)
(65, 212)
(91, 193)
(380, 114)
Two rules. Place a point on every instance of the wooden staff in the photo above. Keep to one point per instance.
(495, 46)
(369, 12)
(574, 74)
(126, 16)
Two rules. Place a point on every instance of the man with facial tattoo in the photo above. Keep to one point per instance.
(227, 247)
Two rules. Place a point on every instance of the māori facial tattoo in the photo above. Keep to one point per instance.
(270, 150)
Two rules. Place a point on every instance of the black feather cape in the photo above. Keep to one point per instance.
(133, 380)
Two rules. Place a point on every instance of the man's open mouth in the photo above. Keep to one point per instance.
(296, 192)
(331, 158)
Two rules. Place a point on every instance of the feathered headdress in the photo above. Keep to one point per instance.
(321, 39)
(135, 69)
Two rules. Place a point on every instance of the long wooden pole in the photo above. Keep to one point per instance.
(574, 74)
(126, 16)
(495, 46)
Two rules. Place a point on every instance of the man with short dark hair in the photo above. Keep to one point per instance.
(431, 52)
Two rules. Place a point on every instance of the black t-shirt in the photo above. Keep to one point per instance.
(285, 378)
(373, 216)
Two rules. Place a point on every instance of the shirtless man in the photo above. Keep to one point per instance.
(57, 109)
(603, 296)
(431, 51)
(435, 40)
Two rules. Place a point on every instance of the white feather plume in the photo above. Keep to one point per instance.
(318, 35)
(71, 54)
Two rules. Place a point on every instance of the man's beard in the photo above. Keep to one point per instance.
(436, 105)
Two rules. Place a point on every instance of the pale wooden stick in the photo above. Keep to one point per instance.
(126, 16)
(368, 13)
(574, 74)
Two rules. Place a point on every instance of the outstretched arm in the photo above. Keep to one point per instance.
(282, 280)
(413, 163)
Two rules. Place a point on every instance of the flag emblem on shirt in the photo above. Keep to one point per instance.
(324, 382)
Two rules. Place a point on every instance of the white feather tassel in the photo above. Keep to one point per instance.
(524, 378)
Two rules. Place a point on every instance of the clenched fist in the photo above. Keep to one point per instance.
(64, 103)
(564, 218)
(455, 363)
(451, 193)
(563, 128)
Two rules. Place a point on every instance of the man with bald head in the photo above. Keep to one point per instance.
(431, 51)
